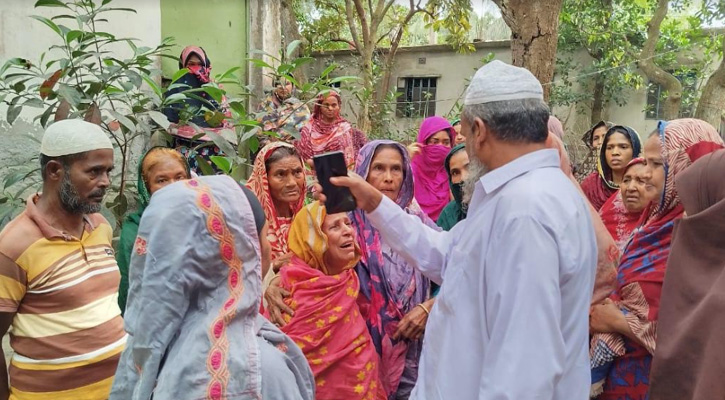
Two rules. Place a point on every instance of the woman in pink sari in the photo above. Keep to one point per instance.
(329, 131)
(327, 324)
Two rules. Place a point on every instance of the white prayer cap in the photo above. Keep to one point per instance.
(73, 136)
(498, 81)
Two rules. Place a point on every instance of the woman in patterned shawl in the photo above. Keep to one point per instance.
(193, 323)
(329, 131)
(394, 296)
(327, 324)
(625, 325)
(278, 181)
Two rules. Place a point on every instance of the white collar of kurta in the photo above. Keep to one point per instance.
(500, 176)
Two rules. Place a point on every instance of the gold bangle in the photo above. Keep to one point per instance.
(424, 308)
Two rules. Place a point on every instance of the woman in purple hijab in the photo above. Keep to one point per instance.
(394, 296)
(429, 154)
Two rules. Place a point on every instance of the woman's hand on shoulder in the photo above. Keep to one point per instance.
(276, 306)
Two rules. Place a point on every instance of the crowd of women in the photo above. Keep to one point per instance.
(356, 311)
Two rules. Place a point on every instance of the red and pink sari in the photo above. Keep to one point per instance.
(327, 324)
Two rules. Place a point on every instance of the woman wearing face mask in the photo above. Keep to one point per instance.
(278, 181)
(327, 324)
(185, 137)
(457, 168)
(619, 146)
(429, 153)
(160, 166)
(283, 113)
(625, 325)
(329, 131)
(621, 213)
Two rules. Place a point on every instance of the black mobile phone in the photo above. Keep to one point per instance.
(327, 165)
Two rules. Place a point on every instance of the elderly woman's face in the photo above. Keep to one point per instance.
(654, 173)
(386, 172)
(340, 241)
(286, 179)
(634, 189)
(163, 173)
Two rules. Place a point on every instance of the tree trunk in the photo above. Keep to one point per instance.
(598, 102)
(534, 27)
(655, 73)
(712, 101)
(290, 33)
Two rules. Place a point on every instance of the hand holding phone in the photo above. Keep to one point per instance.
(327, 165)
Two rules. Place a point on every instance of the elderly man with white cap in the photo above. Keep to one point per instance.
(58, 276)
(511, 319)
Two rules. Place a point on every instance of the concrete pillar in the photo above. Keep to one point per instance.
(265, 34)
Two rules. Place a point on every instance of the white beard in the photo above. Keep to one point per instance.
(476, 169)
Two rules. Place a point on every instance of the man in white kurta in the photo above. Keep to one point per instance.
(511, 319)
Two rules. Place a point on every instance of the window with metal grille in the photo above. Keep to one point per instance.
(418, 97)
(656, 97)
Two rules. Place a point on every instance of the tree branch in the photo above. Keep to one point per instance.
(349, 42)
(363, 22)
(351, 23)
(654, 72)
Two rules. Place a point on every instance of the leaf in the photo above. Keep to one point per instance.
(156, 88)
(47, 87)
(179, 74)
(50, 3)
(104, 2)
(260, 63)
(214, 118)
(49, 23)
(13, 112)
(204, 166)
(222, 163)
(228, 73)
(73, 35)
(238, 107)
(46, 116)
(14, 178)
(70, 94)
(298, 62)
(327, 70)
(253, 144)
(124, 120)
(222, 143)
(160, 119)
(34, 102)
(216, 93)
(292, 47)
(134, 77)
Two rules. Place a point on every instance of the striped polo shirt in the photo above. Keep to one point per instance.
(67, 334)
